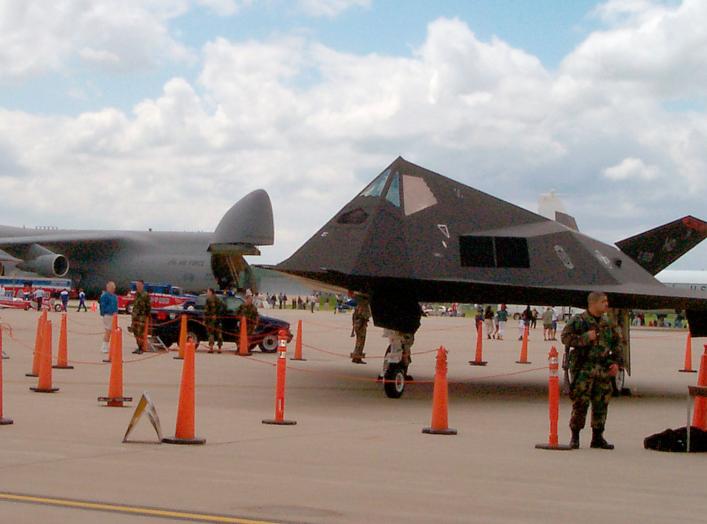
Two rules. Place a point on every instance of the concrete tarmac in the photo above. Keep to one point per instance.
(354, 455)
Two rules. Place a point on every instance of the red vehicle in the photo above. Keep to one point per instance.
(19, 292)
(14, 303)
(161, 296)
(26, 286)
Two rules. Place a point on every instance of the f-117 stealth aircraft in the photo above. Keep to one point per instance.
(416, 236)
(193, 261)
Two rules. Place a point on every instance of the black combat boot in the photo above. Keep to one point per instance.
(598, 440)
(574, 441)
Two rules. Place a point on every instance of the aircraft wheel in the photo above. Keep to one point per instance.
(57, 308)
(191, 335)
(394, 384)
(268, 344)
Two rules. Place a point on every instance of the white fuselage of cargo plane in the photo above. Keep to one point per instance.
(685, 279)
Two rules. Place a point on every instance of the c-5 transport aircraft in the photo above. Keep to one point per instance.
(193, 261)
(413, 236)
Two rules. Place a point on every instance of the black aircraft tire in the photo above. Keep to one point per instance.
(394, 384)
(268, 344)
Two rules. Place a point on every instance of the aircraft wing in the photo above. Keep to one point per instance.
(63, 238)
(51, 253)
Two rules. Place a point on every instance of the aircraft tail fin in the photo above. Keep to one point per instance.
(656, 249)
(566, 220)
(245, 226)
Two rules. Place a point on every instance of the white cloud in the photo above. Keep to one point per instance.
(631, 169)
(313, 125)
(330, 8)
(651, 50)
(224, 7)
(38, 37)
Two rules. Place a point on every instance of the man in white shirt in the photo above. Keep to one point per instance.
(39, 298)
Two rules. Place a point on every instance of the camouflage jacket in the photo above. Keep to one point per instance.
(250, 312)
(141, 306)
(608, 348)
(362, 313)
(213, 309)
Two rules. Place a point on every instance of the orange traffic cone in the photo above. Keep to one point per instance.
(243, 344)
(44, 383)
(94, 307)
(184, 432)
(478, 358)
(3, 421)
(699, 416)
(524, 349)
(553, 392)
(280, 384)
(146, 335)
(37, 347)
(298, 343)
(115, 396)
(3, 356)
(688, 356)
(62, 358)
(439, 425)
(182, 337)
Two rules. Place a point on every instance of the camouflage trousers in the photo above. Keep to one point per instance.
(213, 329)
(591, 385)
(138, 329)
(359, 329)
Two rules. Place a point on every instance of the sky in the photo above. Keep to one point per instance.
(136, 114)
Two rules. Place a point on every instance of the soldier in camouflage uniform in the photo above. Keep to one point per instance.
(213, 313)
(596, 356)
(140, 312)
(359, 320)
(250, 312)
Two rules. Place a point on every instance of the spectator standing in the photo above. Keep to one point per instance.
(502, 316)
(488, 320)
(39, 298)
(108, 306)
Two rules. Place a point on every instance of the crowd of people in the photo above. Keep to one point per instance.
(495, 321)
(281, 301)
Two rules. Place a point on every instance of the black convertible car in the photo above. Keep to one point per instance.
(165, 324)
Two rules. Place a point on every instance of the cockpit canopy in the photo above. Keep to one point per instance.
(409, 193)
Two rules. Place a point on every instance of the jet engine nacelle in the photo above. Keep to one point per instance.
(44, 262)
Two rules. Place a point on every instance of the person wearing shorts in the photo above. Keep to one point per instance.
(108, 304)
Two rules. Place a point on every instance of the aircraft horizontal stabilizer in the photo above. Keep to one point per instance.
(656, 249)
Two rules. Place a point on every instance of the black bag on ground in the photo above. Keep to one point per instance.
(676, 440)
